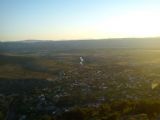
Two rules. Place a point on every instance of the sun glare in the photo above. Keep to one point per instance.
(138, 24)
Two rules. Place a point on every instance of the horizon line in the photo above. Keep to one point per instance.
(112, 38)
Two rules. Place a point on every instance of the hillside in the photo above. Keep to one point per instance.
(44, 80)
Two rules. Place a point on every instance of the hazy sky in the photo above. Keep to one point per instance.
(78, 19)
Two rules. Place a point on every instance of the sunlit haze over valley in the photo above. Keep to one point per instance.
(79, 59)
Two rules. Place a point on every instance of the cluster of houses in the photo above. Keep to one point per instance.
(90, 81)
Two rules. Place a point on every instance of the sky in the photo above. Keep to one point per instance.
(78, 19)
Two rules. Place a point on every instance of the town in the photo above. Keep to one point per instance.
(73, 80)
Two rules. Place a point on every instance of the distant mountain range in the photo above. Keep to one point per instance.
(34, 45)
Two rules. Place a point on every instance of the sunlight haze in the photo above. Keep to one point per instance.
(78, 19)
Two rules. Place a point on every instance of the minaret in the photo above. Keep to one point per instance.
(81, 60)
